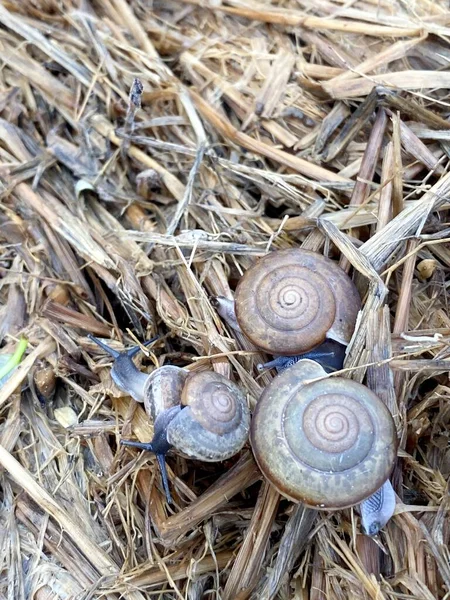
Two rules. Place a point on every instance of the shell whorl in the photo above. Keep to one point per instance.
(215, 422)
(329, 443)
(291, 300)
(215, 401)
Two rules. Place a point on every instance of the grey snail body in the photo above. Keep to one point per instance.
(377, 510)
(202, 415)
(225, 308)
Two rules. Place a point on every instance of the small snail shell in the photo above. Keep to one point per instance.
(291, 300)
(215, 422)
(329, 443)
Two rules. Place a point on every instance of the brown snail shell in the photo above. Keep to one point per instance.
(329, 443)
(45, 381)
(215, 422)
(291, 300)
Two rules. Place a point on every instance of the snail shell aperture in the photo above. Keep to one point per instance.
(291, 300)
(329, 443)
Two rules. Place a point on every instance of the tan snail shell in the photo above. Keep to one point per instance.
(291, 300)
(215, 422)
(329, 443)
(163, 389)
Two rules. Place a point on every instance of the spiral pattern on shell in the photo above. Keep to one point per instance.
(291, 300)
(330, 443)
(215, 401)
(215, 420)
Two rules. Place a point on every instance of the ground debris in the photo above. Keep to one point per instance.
(150, 152)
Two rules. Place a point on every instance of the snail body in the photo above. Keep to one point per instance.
(290, 301)
(378, 509)
(201, 415)
(330, 355)
(225, 308)
(329, 443)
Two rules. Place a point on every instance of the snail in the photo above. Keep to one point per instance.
(329, 354)
(200, 415)
(327, 442)
(291, 301)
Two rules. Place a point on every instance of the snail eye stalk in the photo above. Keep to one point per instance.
(124, 372)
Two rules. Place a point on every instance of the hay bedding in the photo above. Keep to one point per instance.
(123, 210)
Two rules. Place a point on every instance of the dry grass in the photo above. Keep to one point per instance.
(260, 125)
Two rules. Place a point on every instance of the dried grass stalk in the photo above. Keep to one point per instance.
(150, 154)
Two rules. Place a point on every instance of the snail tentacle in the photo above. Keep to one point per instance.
(124, 372)
(148, 446)
(159, 445)
(105, 347)
(161, 458)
